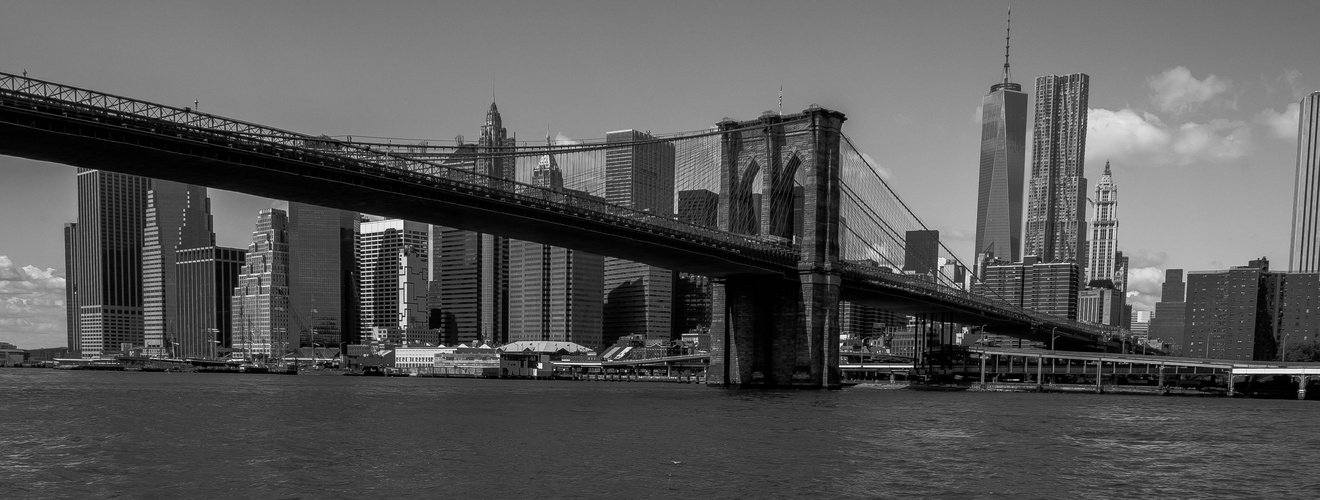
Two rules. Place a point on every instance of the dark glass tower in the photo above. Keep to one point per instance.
(1003, 143)
(1056, 203)
(1304, 253)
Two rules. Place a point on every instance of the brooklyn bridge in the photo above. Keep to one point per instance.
(804, 219)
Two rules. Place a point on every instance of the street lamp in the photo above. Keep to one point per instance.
(1053, 335)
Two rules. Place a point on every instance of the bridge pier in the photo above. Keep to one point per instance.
(775, 333)
(780, 331)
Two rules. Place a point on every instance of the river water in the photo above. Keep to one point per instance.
(70, 434)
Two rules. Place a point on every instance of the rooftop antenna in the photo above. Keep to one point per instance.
(781, 99)
(1007, 37)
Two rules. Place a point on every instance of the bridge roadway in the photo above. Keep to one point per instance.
(50, 122)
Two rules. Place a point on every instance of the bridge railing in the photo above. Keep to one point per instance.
(331, 152)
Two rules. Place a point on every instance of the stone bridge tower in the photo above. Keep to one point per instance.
(780, 331)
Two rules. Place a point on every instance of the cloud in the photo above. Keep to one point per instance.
(885, 172)
(1125, 134)
(1145, 258)
(1294, 80)
(1177, 91)
(563, 140)
(1144, 284)
(31, 305)
(1131, 136)
(978, 115)
(1219, 141)
(1282, 125)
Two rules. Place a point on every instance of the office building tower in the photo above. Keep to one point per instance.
(1121, 265)
(1047, 287)
(1102, 259)
(638, 297)
(392, 266)
(207, 277)
(323, 274)
(692, 292)
(1173, 289)
(1003, 147)
(698, 207)
(1101, 306)
(72, 339)
(104, 258)
(1056, 199)
(178, 217)
(555, 293)
(1304, 251)
(471, 271)
(1139, 323)
(1170, 316)
(921, 251)
(260, 302)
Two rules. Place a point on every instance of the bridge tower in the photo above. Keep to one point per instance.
(780, 331)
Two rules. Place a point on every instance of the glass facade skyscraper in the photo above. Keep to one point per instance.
(1304, 252)
(999, 194)
(323, 273)
(638, 297)
(1056, 198)
(178, 217)
(104, 259)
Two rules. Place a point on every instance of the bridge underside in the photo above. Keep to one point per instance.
(907, 304)
(108, 147)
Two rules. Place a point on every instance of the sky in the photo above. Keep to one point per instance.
(1193, 103)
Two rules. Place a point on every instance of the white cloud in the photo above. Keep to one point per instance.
(885, 172)
(1177, 91)
(563, 140)
(1219, 141)
(1125, 135)
(31, 305)
(1144, 285)
(1282, 125)
(1135, 137)
(1294, 80)
(1145, 258)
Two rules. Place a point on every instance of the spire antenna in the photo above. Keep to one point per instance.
(1008, 36)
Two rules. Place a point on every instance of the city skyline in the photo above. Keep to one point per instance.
(1200, 123)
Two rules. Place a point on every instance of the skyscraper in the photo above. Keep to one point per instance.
(921, 251)
(1169, 320)
(207, 277)
(1103, 261)
(1003, 145)
(323, 274)
(260, 305)
(1304, 253)
(104, 278)
(638, 297)
(471, 276)
(178, 217)
(555, 293)
(1056, 200)
(392, 262)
